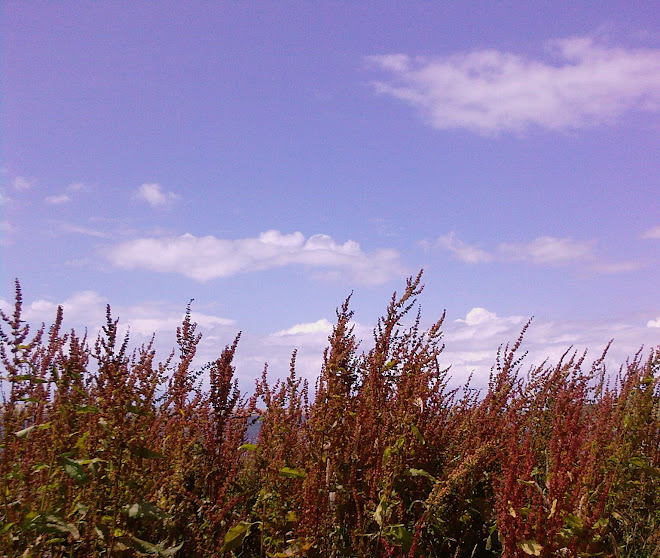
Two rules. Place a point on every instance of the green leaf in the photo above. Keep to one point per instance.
(83, 409)
(387, 452)
(145, 453)
(248, 447)
(144, 509)
(131, 541)
(292, 473)
(530, 547)
(74, 470)
(418, 434)
(28, 377)
(171, 551)
(573, 522)
(379, 514)
(420, 473)
(295, 549)
(400, 536)
(23, 433)
(136, 410)
(638, 462)
(50, 523)
(235, 536)
(139, 544)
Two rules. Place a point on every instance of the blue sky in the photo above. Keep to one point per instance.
(266, 159)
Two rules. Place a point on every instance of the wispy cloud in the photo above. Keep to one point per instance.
(155, 196)
(548, 250)
(653, 233)
(23, 183)
(65, 197)
(87, 231)
(57, 199)
(543, 251)
(463, 251)
(586, 83)
(206, 258)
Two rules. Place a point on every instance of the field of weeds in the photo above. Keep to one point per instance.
(106, 452)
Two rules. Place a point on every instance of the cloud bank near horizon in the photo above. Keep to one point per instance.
(471, 342)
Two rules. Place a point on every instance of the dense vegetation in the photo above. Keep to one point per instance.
(106, 452)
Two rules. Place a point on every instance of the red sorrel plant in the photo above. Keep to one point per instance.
(106, 452)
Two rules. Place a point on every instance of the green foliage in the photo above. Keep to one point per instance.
(104, 452)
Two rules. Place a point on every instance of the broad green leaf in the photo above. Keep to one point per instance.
(296, 549)
(248, 447)
(420, 473)
(387, 452)
(145, 453)
(573, 522)
(379, 514)
(417, 434)
(23, 433)
(292, 473)
(235, 536)
(50, 523)
(400, 536)
(171, 551)
(5, 527)
(531, 547)
(83, 409)
(139, 544)
(136, 410)
(28, 377)
(144, 509)
(74, 470)
(89, 461)
(149, 548)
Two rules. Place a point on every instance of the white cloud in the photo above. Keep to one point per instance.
(154, 195)
(548, 250)
(84, 307)
(206, 258)
(617, 267)
(478, 316)
(23, 183)
(66, 196)
(488, 91)
(653, 323)
(319, 326)
(87, 231)
(159, 321)
(653, 232)
(543, 251)
(88, 309)
(57, 199)
(464, 252)
(472, 343)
